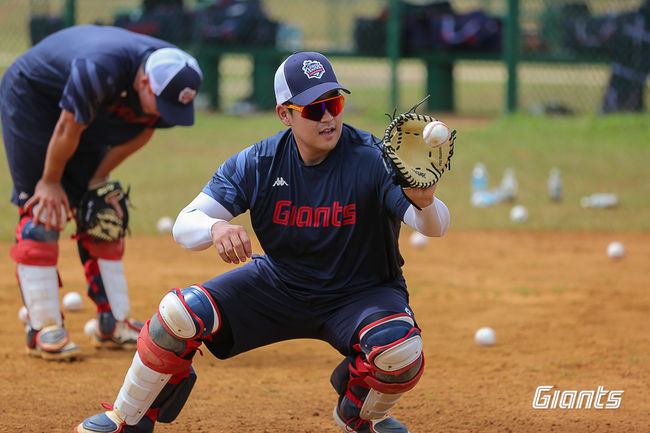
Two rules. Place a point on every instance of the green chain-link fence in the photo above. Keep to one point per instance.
(454, 50)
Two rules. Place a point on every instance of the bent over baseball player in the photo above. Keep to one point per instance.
(327, 214)
(73, 108)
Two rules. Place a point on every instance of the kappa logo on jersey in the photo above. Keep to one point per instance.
(280, 182)
(288, 214)
(186, 95)
(313, 69)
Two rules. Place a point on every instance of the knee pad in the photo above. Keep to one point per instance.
(393, 350)
(189, 314)
(391, 364)
(34, 245)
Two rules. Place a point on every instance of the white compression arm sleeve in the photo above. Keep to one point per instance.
(431, 221)
(193, 225)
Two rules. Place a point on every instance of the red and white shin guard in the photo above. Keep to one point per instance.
(36, 253)
(152, 368)
(105, 275)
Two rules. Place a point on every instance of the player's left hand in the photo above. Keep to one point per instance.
(231, 241)
(421, 197)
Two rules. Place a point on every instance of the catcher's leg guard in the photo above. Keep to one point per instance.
(391, 364)
(161, 377)
(108, 289)
(36, 253)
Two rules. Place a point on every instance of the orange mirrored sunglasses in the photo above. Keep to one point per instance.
(315, 110)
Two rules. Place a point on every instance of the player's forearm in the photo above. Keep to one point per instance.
(63, 143)
(193, 225)
(117, 154)
(431, 221)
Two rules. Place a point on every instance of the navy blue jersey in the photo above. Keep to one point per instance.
(89, 71)
(330, 227)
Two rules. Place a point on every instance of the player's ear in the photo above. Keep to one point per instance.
(144, 81)
(283, 114)
(141, 80)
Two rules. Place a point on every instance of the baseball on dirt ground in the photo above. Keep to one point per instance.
(72, 301)
(615, 250)
(90, 326)
(485, 336)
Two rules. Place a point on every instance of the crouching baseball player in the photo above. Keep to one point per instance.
(328, 216)
(73, 108)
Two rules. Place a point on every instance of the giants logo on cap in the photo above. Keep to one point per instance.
(186, 95)
(313, 69)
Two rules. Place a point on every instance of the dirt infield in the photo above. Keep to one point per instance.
(565, 315)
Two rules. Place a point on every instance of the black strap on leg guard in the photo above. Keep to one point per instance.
(173, 396)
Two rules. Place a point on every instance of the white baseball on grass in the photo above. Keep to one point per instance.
(165, 224)
(615, 250)
(518, 213)
(72, 301)
(22, 314)
(90, 326)
(435, 133)
(485, 336)
(418, 240)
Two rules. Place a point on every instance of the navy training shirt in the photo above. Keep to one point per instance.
(330, 227)
(89, 70)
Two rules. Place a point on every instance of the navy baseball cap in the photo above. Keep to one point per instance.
(304, 77)
(175, 78)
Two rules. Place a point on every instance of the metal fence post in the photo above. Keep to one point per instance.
(393, 43)
(512, 54)
(69, 13)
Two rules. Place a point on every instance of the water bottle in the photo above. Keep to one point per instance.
(600, 200)
(483, 198)
(555, 185)
(479, 178)
(509, 186)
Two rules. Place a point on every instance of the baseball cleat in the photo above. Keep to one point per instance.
(111, 422)
(124, 336)
(107, 422)
(356, 424)
(51, 343)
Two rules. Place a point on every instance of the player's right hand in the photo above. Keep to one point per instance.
(52, 202)
(231, 241)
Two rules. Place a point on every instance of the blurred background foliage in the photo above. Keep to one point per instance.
(565, 47)
(562, 76)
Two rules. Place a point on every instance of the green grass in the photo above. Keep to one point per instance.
(594, 154)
